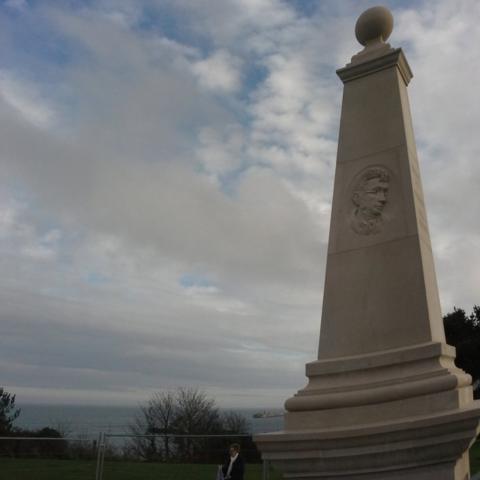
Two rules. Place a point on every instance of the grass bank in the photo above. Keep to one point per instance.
(475, 458)
(38, 469)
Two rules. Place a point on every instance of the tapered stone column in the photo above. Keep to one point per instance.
(384, 399)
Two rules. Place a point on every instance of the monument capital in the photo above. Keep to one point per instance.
(372, 29)
(366, 63)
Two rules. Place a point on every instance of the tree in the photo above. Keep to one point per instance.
(162, 409)
(196, 415)
(28, 447)
(183, 418)
(8, 412)
(234, 423)
(156, 417)
(463, 332)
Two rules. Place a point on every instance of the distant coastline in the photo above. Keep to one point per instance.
(87, 421)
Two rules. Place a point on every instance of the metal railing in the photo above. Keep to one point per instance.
(104, 437)
(113, 445)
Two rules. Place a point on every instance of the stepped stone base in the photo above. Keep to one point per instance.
(421, 448)
(399, 414)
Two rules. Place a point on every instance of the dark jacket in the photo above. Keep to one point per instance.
(238, 468)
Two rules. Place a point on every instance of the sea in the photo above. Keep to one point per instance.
(86, 422)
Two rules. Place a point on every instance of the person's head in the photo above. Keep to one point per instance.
(234, 449)
(370, 193)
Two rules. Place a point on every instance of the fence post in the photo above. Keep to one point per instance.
(265, 470)
(104, 447)
(100, 456)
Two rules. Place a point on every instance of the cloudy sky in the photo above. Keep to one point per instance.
(166, 172)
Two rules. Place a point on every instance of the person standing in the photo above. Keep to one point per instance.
(234, 467)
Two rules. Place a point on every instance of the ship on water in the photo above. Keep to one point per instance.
(267, 414)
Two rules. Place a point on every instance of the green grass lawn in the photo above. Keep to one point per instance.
(475, 458)
(38, 469)
(143, 471)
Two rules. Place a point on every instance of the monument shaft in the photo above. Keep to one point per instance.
(384, 398)
(385, 269)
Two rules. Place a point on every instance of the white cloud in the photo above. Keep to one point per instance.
(25, 100)
(16, 4)
(221, 151)
(220, 71)
(442, 91)
(7, 219)
(219, 167)
(44, 247)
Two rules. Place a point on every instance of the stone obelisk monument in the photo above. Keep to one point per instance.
(384, 399)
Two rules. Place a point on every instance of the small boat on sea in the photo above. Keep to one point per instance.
(267, 414)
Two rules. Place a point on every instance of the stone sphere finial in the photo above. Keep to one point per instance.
(374, 25)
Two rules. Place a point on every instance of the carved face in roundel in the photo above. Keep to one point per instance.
(369, 198)
(372, 197)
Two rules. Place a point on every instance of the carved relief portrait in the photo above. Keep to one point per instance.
(369, 198)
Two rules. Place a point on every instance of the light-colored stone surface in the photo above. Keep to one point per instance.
(384, 399)
(374, 23)
(424, 447)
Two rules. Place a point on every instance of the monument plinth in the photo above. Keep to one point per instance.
(384, 399)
